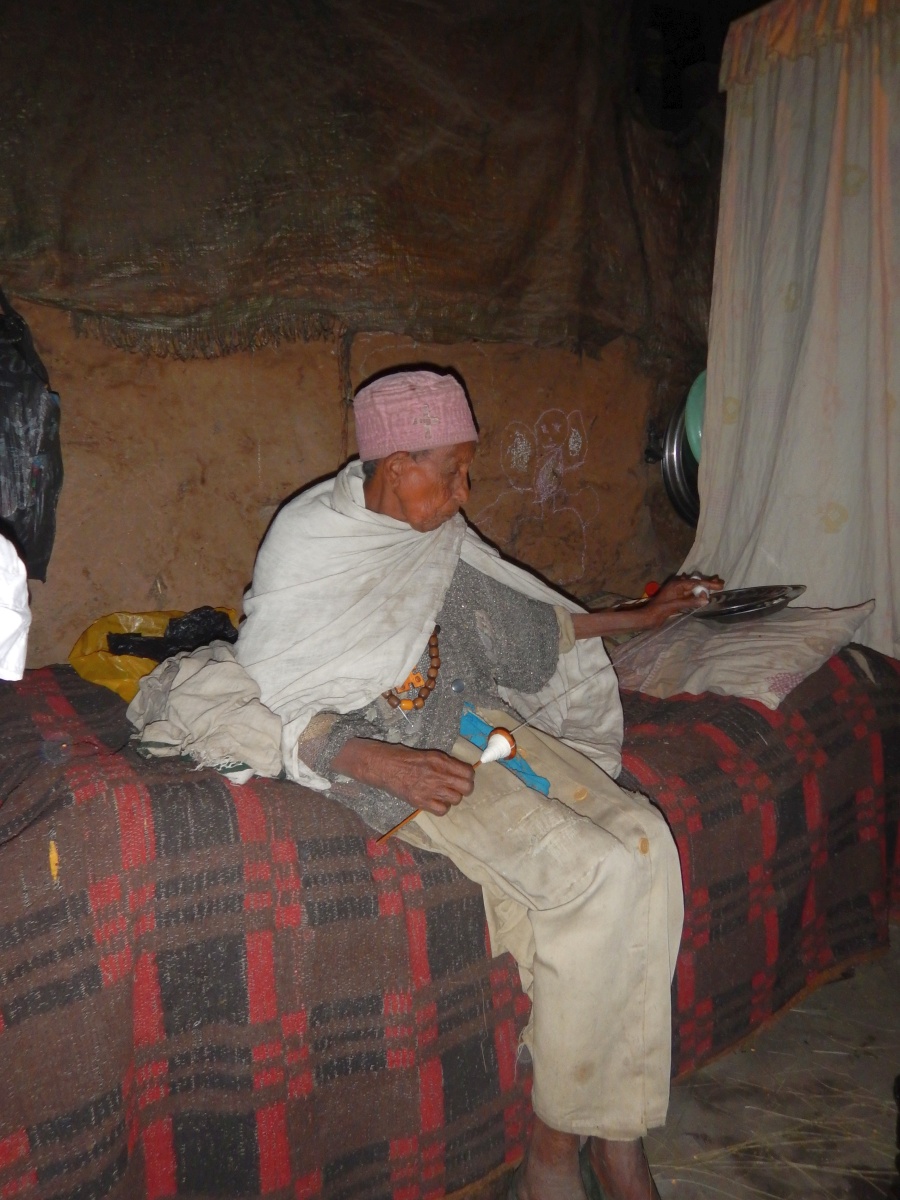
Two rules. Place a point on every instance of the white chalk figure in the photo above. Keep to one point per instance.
(543, 514)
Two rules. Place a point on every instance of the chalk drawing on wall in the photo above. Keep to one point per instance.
(542, 516)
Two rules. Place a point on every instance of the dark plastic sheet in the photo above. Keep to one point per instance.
(197, 178)
(31, 468)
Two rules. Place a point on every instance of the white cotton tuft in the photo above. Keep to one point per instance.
(500, 744)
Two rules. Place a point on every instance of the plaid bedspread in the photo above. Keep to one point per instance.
(233, 991)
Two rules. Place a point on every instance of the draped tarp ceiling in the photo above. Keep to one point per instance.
(194, 178)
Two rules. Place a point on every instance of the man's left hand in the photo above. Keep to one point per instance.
(680, 594)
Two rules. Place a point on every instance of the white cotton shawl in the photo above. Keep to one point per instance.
(343, 601)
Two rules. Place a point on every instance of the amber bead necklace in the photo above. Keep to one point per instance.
(423, 685)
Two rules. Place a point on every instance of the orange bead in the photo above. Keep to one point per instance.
(406, 705)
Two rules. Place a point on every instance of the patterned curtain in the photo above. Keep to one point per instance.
(800, 471)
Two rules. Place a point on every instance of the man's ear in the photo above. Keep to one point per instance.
(394, 468)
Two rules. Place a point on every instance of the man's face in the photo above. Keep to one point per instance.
(431, 487)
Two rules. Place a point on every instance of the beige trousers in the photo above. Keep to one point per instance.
(584, 889)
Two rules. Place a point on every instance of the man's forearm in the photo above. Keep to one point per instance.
(613, 620)
(423, 778)
(361, 759)
(680, 594)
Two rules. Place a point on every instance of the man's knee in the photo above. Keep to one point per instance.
(656, 838)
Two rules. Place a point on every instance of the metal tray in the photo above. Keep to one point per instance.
(739, 604)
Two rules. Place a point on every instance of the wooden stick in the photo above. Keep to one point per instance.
(384, 837)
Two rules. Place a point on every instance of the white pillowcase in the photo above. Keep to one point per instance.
(763, 658)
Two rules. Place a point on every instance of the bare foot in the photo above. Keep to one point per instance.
(622, 1169)
(551, 1169)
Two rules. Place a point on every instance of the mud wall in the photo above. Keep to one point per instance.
(174, 469)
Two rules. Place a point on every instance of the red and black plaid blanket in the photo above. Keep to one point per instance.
(233, 991)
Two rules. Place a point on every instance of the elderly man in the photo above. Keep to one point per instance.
(381, 628)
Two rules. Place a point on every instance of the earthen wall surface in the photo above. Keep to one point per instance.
(175, 468)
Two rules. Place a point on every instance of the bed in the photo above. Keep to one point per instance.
(214, 990)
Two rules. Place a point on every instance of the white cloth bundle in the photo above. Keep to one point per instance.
(204, 705)
(15, 614)
(343, 601)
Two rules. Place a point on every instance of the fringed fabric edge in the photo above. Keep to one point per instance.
(209, 334)
(792, 29)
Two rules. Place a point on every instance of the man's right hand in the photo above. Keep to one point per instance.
(428, 779)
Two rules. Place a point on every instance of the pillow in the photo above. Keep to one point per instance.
(761, 659)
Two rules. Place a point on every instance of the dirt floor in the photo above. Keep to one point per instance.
(805, 1108)
(173, 469)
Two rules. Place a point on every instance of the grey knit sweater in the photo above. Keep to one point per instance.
(490, 636)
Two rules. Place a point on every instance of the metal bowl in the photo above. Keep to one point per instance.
(679, 469)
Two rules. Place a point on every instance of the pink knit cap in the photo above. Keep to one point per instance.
(411, 410)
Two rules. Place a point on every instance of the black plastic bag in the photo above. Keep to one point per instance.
(31, 469)
(196, 628)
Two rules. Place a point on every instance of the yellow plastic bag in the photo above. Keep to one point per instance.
(121, 672)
